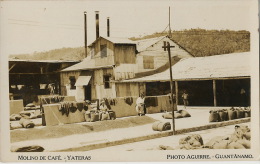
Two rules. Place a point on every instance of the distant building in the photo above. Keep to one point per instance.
(30, 78)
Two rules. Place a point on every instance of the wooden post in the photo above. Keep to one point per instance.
(176, 92)
(168, 47)
(214, 93)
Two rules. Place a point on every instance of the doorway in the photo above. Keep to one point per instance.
(87, 92)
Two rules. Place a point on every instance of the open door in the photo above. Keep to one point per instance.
(88, 92)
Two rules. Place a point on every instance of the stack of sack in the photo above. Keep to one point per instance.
(95, 115)
(161, 126)
(240, 139)
(177, 114)
(31, 106)
(229, 114)
(31, 114)
(26, 123)
(15, 117)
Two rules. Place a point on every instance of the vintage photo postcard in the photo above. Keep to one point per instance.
(129, 81)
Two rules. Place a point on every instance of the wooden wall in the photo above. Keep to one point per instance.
(64, 80)
(129, 89)
(101, 60)
(124, 54)
(98, 84)
(160, 56)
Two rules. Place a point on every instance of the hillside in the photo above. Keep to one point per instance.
(198, 42)
(77, 53)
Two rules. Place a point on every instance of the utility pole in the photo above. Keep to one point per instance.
(168, 47)
(85, 30)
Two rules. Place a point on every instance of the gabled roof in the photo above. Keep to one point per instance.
(115, 40)
(199, 68)
(86, 64)
(142, 45)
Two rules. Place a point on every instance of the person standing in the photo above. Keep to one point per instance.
(242, 97)
(185, 97)
(140, 105)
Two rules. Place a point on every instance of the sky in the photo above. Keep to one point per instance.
(34, 26)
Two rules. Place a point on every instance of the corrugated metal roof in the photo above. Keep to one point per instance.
(142, 45)
(119, 40)
(115, 40)
(86, 64)
(211, 67)
(42, 61)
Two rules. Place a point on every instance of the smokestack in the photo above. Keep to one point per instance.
(85, 30)
(108, 27)
(97, 24)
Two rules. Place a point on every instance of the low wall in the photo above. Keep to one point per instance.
(124, 109)
(16, 106)
(54, 117)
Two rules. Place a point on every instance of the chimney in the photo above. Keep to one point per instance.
(85, 30)
(97, 24)
(108, 27)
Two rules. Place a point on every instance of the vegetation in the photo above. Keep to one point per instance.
(207, 43)
(77, 53)
(199, 42)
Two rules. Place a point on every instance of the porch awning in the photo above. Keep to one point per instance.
(82, 80)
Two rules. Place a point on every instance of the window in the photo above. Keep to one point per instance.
(107, 81)
(148, 62)
(72, 82)
(103, 49)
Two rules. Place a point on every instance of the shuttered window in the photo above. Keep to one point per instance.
(103, 49)
(107, 81)
(148, 62)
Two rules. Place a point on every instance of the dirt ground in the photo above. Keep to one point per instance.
(79, 128)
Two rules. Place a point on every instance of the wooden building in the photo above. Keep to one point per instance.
(116, 59)
(221, 80)
(30, 78)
